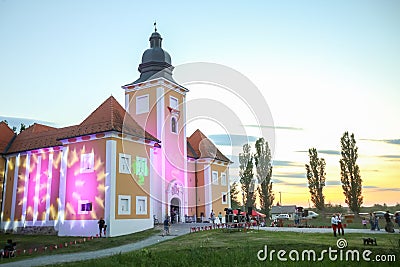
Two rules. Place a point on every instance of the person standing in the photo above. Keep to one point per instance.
(334, 224)
(397, 219)
(372, 221)
(101, 224)
(376, 223)
(212, 216)
(220, 217)
(339, 224)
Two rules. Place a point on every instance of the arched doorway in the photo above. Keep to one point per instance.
(175, 210)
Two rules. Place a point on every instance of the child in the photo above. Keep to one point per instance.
(364, 223)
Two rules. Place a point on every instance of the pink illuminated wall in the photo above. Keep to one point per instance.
(85, 185)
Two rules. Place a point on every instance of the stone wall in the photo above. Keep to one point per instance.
(36, 230)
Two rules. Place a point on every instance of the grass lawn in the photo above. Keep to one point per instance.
(220, 248)
(30, 242)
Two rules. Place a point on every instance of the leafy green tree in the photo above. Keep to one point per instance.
(234, 195)
(316, 178)
(350, 173)
(246, 176)
(263, 161)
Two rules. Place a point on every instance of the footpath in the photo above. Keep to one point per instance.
(176, 230)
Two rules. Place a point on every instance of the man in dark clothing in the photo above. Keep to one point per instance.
(101, 223)
(389, 225)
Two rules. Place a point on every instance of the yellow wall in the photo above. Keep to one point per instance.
(9, 190)
(129, 184)
(2, 170)
(217, 190)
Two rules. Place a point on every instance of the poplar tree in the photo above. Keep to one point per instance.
(246, 176)
(350, 173)
(263, 161)
(316, 178)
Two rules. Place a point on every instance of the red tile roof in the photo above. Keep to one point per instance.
(6, 136)
(202, 147)
(38, 136)
(109, 116)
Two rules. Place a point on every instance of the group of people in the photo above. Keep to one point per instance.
(213, 218)
(336, 222)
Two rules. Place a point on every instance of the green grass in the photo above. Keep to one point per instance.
(220, 248)
(30, 242)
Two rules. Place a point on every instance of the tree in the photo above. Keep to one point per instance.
(350, 173)
(316, 178)
(246, 176)
(22, 128)
(262, 159)
(234, 194)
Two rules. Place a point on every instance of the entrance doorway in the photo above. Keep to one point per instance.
(175, 210)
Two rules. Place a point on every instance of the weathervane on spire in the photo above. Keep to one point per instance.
(155, 26)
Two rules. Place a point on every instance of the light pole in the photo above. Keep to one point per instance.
(280, 198)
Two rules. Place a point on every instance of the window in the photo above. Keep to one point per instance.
(173, 125)
(141, 169)
(87, 163)
(142, 104)
(173, 102)
(124, 205)
(223, 178)
(224, 198)
(84, 206)
(141, 205)
(215, 177)
(125, 162)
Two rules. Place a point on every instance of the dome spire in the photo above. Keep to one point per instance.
(155, 26)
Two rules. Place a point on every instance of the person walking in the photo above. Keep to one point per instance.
(101, 224)
(166, 226)
(339, 224)
(334, 224)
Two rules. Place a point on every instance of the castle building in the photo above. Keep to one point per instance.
(127, 165)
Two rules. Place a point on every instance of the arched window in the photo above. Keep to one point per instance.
(173, 125)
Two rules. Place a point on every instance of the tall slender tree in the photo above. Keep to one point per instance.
(350, 173)
(246, 176)
(316, 178)
(234, 194)
(262, 159)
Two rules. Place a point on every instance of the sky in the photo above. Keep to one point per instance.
(322, 67)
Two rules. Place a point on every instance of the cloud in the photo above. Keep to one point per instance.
(275, 127)
(285, 163)
(380, 189)
(390, 156)
(388, 141)
(290, 175)
(326, 152)
(281, 182)
(328, 183)
(232, 139)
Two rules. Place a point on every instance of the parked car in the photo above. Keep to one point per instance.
(283, 216)
(311, 215)
(381, 214)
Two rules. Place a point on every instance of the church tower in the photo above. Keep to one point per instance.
(158, 104)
